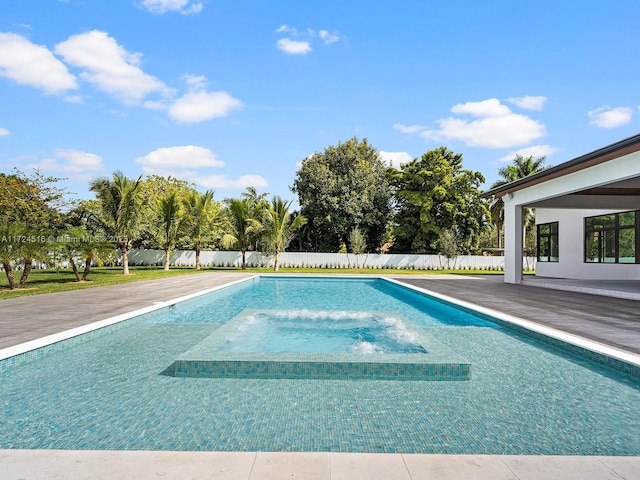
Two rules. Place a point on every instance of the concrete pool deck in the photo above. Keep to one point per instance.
(612, 321)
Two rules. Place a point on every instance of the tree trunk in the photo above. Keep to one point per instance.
(8, 270)
(87, 267)
(125, 261)
(276, 262)
(167, 259)
(197, 258)
(244, 262)
(28, 263)
(74, 267)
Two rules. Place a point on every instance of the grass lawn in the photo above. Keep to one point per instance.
(49, 281)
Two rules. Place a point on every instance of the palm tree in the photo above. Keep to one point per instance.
(243, 227)
(78, 242)
(278, 227)
(521, 167)
(120, 207)
(258, 200)
(257, 203)
(170, 224)
(496, 209)
(199, 209)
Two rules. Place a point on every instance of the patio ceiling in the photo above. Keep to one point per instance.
(623, 195)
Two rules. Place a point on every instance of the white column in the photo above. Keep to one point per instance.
(513, 239)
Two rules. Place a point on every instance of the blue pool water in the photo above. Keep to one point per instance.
(322, 331)
(318, 294)
(112, 391)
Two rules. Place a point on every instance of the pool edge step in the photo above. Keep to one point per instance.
(320, 370)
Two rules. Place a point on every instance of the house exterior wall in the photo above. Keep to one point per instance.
(571, 262)
(616, 169)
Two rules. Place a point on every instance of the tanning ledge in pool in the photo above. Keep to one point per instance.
(211, 359)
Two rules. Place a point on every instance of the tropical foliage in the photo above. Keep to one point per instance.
(201, 219)
(349, 199)
(29, 214)
(342, 188)
(121, 204)
(169, 226)
(277, 227)
(243, 226)
(520, 167)
(434, 194)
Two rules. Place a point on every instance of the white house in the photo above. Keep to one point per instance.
(587, 216)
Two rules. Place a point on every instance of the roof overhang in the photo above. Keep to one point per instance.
(597, 157)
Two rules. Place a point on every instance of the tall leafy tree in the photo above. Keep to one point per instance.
(77, 243)
(29, 213)
(433, 194)
(257, 200)
(243, 226)
(520, 167)
(170, 224)
(121, 204)
(339, 189)
(84, 239)
(10, 248)
(200, 214)
(278, 226)
(153, 189)
(257, 204)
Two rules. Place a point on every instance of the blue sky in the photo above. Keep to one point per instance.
(235, 93)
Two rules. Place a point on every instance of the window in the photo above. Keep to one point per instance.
(548, 242)
(612, 238)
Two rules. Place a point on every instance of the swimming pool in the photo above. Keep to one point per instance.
(112, 391)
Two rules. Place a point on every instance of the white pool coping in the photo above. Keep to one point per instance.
(142, 465)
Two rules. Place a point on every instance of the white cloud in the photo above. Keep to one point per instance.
(284, 28)
(534, 151)
(607, 117)
(528, 102)
(77, 164)
(197, 107)
(29, 64)
(223, 182)
(299, 43)
(197, 82)
(109, 67)
(408, 128)
(395, 159)
(185, 7)
(187, 162)
(486, 108)
(495, 126)
(294, 47)
(165, 160)
(492, 132)
(327, 37)
(4, 132)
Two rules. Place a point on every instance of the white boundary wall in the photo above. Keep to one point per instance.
(324, 260)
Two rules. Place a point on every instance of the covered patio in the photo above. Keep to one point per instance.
(603, 182)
